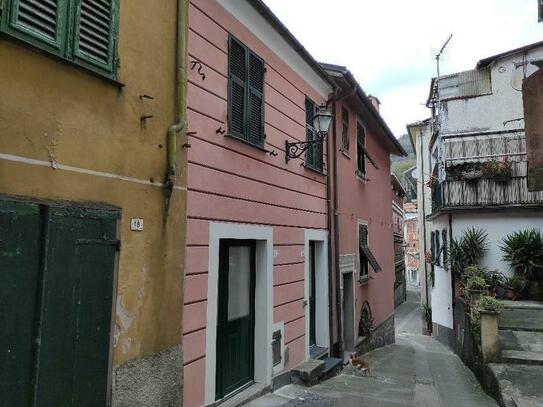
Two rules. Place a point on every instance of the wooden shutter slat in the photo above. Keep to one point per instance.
(39, 17)
(95, 33)
(255, 130)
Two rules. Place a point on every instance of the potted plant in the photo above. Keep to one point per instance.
(432, 182)
(523, 250)
(475, 287)
(485, 303)
(513, 286)
(494, 280)
(426, 311)
(497, 170)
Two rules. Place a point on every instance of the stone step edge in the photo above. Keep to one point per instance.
(521, 357)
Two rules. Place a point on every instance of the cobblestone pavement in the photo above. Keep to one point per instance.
(415, 371)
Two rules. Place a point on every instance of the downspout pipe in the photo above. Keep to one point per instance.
(423, 216)
(180, 94)
(336, 236)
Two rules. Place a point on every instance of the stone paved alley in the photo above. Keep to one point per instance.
(416, 371)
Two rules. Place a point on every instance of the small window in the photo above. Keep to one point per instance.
(80, 31)
(360, 150)
(245, 93)
(313, 154)
(345, 130)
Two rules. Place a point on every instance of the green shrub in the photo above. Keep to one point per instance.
(469, 250)
(476, 283)
(523, 250)
(426, 311)
(486, 302)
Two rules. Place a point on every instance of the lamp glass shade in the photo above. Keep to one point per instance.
(321, 121)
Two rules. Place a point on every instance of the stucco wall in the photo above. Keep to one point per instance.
(488, 112)
(442, 308)
(234, 182)
(498, 225)
(369, 202)
(55, 115)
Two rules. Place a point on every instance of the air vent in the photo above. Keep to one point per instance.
(39, 16)
(95, 21)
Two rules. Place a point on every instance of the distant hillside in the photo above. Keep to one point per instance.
(400, 164)
(406, 144)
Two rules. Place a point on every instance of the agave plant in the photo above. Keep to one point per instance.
(523, 250)
(469, 250)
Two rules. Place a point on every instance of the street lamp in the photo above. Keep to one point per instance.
(321, 124)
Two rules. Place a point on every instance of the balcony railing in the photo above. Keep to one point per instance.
(484, 170)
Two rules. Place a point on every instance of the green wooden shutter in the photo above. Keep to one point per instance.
(309, 132)
(255, 122)
(237, 78)
(96, 33)
(42, 23)
(19, 285)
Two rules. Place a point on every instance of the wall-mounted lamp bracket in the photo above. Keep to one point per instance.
(295, 150)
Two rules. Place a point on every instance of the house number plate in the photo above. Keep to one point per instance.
(136, 224)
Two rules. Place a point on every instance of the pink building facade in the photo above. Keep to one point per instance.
(257, 268)
(365, 273)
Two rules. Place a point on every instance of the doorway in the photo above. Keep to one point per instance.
(56, 294)
(312, 295)
(348, 312)
(236, 316)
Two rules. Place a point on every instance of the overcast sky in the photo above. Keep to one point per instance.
(390, 45)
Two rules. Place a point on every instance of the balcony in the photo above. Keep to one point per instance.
(484, 170)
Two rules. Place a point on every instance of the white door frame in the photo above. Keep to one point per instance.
(347, 266)
(263, 300)
(322, 328)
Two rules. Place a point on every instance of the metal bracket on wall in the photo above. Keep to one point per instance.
(194, 64)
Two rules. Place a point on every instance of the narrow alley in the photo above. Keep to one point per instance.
(416, 371)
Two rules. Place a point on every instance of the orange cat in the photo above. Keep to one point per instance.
(360, 364)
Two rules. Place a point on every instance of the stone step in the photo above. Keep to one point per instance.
(521, 316)
(518, 385)
(521, 357)
(332, 366)
(521, 340)
(308, 372)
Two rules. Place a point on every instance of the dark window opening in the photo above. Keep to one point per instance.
(345, 130)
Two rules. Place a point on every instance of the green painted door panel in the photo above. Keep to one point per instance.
(20, 234)
(235, 328)
(77, 306)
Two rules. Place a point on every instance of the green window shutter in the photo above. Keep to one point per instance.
(345, 129)
(96, 24)
(255, 123)
(237, 78)
(309, 132)
(361, 141)
(42, 23)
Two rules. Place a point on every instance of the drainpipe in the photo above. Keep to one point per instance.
(331, 225)
(423, 216)
(180, 96)
(336, 235)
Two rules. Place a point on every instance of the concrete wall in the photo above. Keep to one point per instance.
(367, 201)
(67, 135)
(488, 112)
(237, 183)
(420, 135)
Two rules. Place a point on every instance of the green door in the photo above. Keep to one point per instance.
(312, 295)
(20, 236)
(235, 319)
(62, 352)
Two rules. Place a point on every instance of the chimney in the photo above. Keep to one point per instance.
(374, 101)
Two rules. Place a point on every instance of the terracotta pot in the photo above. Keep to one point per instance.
(534, 290)
(510, 294)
